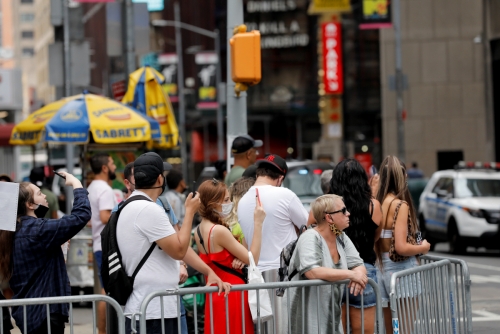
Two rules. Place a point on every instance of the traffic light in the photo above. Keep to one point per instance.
(245, 58)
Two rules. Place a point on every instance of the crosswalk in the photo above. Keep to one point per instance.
(482, 279)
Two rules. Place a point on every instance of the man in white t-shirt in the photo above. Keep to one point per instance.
(284, 211)
(102, 201)
(144, 222)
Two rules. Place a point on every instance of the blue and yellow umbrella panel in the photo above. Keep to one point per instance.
(70, 120)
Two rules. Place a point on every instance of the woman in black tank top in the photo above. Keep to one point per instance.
(350, 181)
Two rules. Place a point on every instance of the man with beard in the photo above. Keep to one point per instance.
(102, 201)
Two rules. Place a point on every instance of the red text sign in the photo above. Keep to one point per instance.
(332, 58)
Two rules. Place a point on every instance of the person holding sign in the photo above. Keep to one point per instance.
(32, 257)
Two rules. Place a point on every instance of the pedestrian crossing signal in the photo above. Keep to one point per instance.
(245, 57)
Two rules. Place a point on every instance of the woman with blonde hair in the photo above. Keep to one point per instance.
(399, 242)
(324, 252)
(236, 192)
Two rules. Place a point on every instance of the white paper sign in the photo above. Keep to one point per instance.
(9, 195)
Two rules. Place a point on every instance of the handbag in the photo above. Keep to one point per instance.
(410, 237)
(255, 276)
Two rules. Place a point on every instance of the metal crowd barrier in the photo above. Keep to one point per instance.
(461, 290)
(271, 287)
(24, 303)
(423, 299)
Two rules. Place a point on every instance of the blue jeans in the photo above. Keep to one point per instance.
(369, 297)
(153, 326)
(98, 261)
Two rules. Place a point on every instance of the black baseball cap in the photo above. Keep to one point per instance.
(250, 171)
(147, 167)
(274, 161)
(243, 143)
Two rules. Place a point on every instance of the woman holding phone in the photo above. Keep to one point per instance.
(31, 257)
(218, 248)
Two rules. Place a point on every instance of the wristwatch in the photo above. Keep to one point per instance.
(183, 264)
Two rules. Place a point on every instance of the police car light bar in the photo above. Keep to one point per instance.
(478, 165)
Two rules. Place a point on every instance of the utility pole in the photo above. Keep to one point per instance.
(70, 148)
(180, 84)
(129, 38)
(236, 106)
(218, 79)
(399, 81)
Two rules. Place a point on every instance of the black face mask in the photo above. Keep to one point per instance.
(164, 185)
(41, 211)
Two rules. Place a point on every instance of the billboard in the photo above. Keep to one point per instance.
(168, 67)
(332, 58)
(375, 14)
(206, 63)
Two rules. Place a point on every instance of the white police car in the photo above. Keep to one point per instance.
(462, 206)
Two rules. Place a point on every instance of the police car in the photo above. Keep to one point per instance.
(462, 206)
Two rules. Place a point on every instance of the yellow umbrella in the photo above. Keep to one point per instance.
(145, 94)
(69, 121)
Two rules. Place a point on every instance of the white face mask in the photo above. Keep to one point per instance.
(226, 209)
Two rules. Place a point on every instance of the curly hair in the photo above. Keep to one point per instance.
(211, 195)
(350, 181)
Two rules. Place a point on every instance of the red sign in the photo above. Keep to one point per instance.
(332, 58)
(365, 159)
(118, 88)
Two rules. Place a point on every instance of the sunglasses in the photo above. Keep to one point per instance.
(343, 210)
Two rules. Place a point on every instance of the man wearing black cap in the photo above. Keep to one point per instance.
(142, 223)
(245, 154)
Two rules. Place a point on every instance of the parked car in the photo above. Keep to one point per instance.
(462, 206)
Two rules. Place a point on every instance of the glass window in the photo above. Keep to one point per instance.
(446, 184)
(27, 17)
(26, 1)
(28, 52)
(28, 34)
(477, 188)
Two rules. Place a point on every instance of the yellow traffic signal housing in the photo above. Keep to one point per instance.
(245, 57)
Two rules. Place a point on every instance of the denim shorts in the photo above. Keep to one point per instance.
(369, 297)
(385, 273)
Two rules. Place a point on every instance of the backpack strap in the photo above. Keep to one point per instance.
(150, 250)
(202, 243)
(144, 259)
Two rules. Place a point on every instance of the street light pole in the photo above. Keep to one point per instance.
(218, 78)
(70, 148)
(129, 37)
(180, 84)
(236, 105)
(399, 81)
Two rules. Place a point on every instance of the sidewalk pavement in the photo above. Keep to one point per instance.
(82, 322)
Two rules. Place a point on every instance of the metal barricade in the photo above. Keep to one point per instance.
(461, 290)
(422, 299)
(24, 303)
(271, 287)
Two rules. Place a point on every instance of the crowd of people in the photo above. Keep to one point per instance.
(359, 229)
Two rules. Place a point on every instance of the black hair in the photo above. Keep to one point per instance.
(270, 173)
(414, 164)
(98, 161)
(127, 171)
(174, 177)
(349, 180)
(220, 166)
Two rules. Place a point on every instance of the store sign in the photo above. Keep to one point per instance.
(328, 6)
(332, 58)
(285, 27)
(375, 14)
(168, 66)
(206, 63)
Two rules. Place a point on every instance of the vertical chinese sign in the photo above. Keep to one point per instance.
(332, 58)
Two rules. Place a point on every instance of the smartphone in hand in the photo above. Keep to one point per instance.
(59, 174)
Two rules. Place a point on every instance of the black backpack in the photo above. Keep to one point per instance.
(117, 284)
(286, 256)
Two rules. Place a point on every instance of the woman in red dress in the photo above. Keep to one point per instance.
(221, 251)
